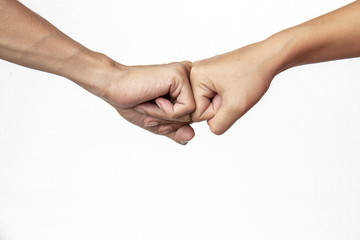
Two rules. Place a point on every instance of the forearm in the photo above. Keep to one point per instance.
(29, 40)
(333, 36)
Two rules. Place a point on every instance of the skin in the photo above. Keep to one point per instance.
(225, 87)
(29, 40)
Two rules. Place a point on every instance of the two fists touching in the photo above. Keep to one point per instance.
(163, 99)
(223, 88)
(166, 99)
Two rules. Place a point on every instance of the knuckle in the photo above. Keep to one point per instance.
(191, 107)
(217, 129)
(187, 65)
(186, 118)
(172, 115)
(179, 70)
(163, 130)
(197, 69)
(194, 73)
(196, 117)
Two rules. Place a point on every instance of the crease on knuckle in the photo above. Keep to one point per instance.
(172, 115)
(196, 117)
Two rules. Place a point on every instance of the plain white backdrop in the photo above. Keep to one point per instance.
(72, 168)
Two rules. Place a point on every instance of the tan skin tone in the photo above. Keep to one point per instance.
(224, 87)
(29, 40)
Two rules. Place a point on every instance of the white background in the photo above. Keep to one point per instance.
(71, 168)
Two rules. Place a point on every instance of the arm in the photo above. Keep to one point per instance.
(225, 87)
(29, 40)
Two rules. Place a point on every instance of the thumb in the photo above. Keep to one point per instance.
(204, 95)
(205, 108)
(225, 117)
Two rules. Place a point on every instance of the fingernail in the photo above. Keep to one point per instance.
(139, 110)
(184, 142)
(151, 124)
(165, 130)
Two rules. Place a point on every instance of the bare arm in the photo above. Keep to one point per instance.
(333, 36)
(29, 40)
(237, 80)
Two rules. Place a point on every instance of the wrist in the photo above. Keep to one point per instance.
(92, 71)
(280, 45)
(293, 46)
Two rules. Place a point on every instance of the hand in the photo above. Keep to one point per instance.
(162, 91)
(131, 95)
(225, 87)
(29, 40)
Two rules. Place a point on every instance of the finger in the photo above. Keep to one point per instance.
(182, 135)
(180, 90)
(177, 111)
(167, 128)
(187, 65)
(203, 96)
(161, 110)
(149, 121)
(182, 102)
(225, 116)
